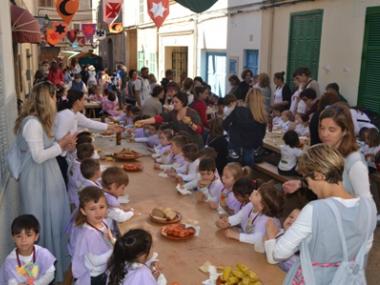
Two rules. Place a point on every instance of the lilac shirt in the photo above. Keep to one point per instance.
(44, 260)
(75, 180)
(89, 241)
(110, 107)
(233, 205)
(139, 274)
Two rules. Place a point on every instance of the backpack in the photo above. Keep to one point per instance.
(348, 272)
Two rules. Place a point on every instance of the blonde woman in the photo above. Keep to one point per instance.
(43, 191)
(246, 125)
(336, 230)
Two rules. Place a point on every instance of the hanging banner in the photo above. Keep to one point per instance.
(158, 10)
(72, 35)
(197, 6)
(100, 34)
(115, 28)
(52, 37)
(111, 10)
(88, 30)
(66, 9)
(60, 28)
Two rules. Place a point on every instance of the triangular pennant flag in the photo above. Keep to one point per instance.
(158, 10)
(197, 6)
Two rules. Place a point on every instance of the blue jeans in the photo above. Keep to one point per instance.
(247, 156)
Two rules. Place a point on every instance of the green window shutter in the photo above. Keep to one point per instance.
(140, 60)
(304, 42)
(369, 86)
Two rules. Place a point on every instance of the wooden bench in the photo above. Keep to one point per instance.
(272, 171)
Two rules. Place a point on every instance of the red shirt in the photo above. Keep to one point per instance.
(56, 77)
(201, 108)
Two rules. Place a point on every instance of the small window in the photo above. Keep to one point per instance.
(251, 60)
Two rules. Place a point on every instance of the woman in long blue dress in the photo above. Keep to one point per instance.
(42, 188)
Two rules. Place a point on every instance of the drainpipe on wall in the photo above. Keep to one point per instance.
(195, 48)
(157, 53)
(270, 44)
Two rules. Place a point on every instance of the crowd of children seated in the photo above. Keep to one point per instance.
(249, 210)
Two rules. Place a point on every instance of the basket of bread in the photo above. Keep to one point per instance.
(126, 154)
(165, 216)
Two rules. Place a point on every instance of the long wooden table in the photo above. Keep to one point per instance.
(181, 260)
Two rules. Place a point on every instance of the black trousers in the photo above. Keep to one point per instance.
(63, 166)
(99, 280)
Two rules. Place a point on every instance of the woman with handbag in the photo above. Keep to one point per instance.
(333, 234)
(42, 188)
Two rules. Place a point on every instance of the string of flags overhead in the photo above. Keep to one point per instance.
(57, 31)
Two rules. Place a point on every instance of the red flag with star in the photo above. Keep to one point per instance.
(111, 10)
(158, 11)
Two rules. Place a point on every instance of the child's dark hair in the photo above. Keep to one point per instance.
(208, 152)
(111, 95)
(291, 139)
(190, 151)
(85, 150)
(115, 175)
(89, 167)
(88, 194)
(271, 199)
(373, 137)
(84, 137)
(304, 117)
(128, 248)
(179, 140)
(25, 222)
(216, 127)
(168, 133)
(297, 200)
(133, 109)
(245, 186)
(207, 164)
(362, 134)
(73, 96)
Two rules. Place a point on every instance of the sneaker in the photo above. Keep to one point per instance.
(234, 155)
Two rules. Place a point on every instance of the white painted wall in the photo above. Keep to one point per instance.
(9, 197)
(341, 42)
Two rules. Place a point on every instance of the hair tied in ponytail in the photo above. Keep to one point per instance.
(130, 241)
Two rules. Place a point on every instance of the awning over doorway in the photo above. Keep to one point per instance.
(197, 6)
(25, 28)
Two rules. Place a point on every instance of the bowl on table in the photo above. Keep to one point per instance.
(177, 232)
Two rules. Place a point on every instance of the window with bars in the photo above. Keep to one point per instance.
(46, 3)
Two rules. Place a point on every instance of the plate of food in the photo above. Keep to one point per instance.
(133, 167)
(177, 232)
(165, 216)
(126, 154)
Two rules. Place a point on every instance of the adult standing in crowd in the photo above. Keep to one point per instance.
(337, 130)
(303, 76)
(200, 95)
(142, 87)
(234, 84)
(187, 87)
(169, 75)
(246, 125)
(282, 94)
(264, 83)
(336, 228)
(326, 99)
(71, 119)
(153, 106)
(55, 74)
(244, 85)
(181, 118)
(43, 190)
